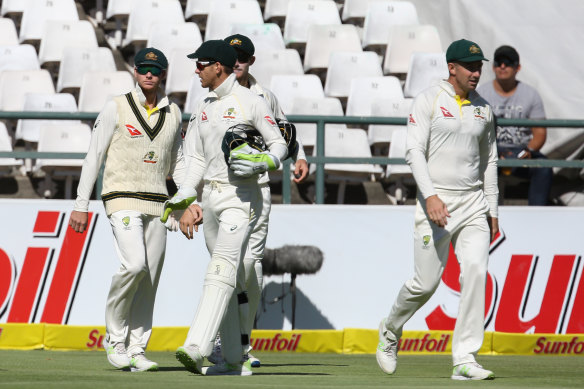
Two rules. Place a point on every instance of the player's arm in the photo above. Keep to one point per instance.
(488, 166)
(417, 140)
(102, 133)
(177, 160)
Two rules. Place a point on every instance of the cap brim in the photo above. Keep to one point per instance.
(472, 58)
(151, 63)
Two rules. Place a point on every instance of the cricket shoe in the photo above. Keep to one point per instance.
(386, 353)
(191, 358)
(471, 371)
(139, 362)
(240, 369)
(253, 361)
(117, 355)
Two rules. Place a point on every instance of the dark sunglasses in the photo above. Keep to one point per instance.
(156, 71)
(243, 57)
(506, 61)
(203, 64)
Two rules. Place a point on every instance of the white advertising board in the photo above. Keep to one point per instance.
(50, 274)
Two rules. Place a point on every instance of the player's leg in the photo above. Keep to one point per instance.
(141, 312)
(127, 229)
(471, 245)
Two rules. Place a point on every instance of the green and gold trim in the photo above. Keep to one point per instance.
(146, 196)
(152, 132)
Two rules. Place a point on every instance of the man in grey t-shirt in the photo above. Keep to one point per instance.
(513, 99)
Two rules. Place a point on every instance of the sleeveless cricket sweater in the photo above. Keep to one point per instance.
(138, 158)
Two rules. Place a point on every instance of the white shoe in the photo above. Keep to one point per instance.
(471, 371)
(253, 361)
(191, 358)
(216, 356)
(116, 354)
(139, 362)
(240, 369)
(386, 353)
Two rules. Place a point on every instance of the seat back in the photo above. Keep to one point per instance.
(366, 90)
(382, 15)
(145, 13)
(77, 61)
(265, 36)
(8, 34)
(15, 84)
(380, 134)
(225, 13)
(98, 87)
(194, 93)
(36, 13)
(328, 106)
(270, 63)
(180, 70)
(404, 40)
(167, 36)
(425, 69)
(326, 39)
(302, 14)
(345, 66)
(6, 164)
(397, 149)
(69, 138)
(18, 57)
(287, 88)
(61, 34)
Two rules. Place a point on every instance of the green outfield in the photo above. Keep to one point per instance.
(83, 369)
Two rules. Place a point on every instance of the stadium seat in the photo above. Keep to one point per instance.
(199, 9)
(425, 69)
(36, 13)
(8, 163)
(404, 40)
(287, 88)
(380, 134)
(146, 13)
(275, 62)
(58, 35)
(355, 9)
(15, 84)
(167, 36)
(325, 39)
(71, 138)
(180, 71)
(344, 66)
(98, 87)
(347, 142)
(8, 34)
(276, 9)
(225, 13)
(12, 7)
(302, 14)
(119, 8)
(327, 106)
(195, 92)
(29, 129)
(364, 91)
(398, 174)
(18, 57)
(266, 36)
(381, 16)
(79, 60)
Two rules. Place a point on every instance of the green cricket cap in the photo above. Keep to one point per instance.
(216, 50)
(151, 56)
(464, 50)
(241, 42)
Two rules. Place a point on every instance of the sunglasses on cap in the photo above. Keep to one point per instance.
(506, 61)
(156, 71)
(203, 64)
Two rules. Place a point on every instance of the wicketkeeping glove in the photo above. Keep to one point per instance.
(180, 201)
(246, 164)
(172, 223)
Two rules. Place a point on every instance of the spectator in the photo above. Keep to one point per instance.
(513, 99)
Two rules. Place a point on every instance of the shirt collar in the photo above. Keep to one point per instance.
(226, 86)
(161, 98)
(449, 88)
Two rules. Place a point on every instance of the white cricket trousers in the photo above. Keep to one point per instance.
(468, 231)
(229, 214)
(140, 241)
(253, 259)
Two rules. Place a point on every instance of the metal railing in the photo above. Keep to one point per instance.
(319, 159)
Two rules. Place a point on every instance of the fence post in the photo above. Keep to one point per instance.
(319, 164)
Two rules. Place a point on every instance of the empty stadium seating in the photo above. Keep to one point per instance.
(167, 36)
(381, 16)
(405, 40)
(288, 87)
(302, 14)
(7, 164)
(58, 35)
(98, 87)
(223, 14)
(424, 70)
(265, 36)
(36, 13)
(325, 39)
(345, 66)
(275, 62)
(8, 34)
(380, 134)
(398, 174)
(77, 61)
(15, 84)
(18, 57)
(364, 91)
(144, 14)
(180, 70)
(194, 93)
(12, 7)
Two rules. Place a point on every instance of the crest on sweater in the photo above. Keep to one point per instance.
(151, 157)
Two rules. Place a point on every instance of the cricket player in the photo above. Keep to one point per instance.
(257, 242)
(451, 149)
(231, 201)
(138, 135)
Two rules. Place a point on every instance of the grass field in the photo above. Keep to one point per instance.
(83, 369)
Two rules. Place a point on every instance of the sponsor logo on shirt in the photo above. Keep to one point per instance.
(133, 131)
(270, 120)
(203, 117)
(411, 119)
(446, 113)
(151, 157)
(229, 114)
(478, 113)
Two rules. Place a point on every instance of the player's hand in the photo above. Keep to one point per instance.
(78, 221)
(245, 164)
(181, 200)
(437, 211)
(493, 226)
(190, 220)
(172, 221)
(300, 171)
